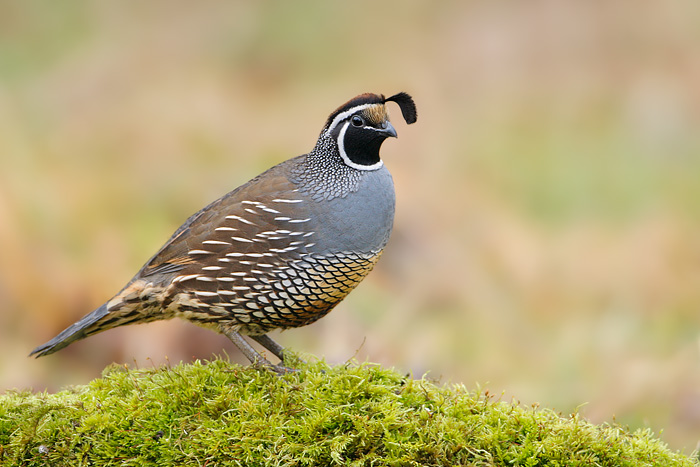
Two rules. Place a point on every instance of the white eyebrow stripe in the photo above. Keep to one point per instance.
(343, 115)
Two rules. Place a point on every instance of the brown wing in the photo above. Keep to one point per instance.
(202, 226)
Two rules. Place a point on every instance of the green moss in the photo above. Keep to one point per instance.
(221, 414)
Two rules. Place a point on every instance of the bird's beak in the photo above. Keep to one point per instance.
(388, 130)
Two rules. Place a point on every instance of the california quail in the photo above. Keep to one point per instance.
(277, 252)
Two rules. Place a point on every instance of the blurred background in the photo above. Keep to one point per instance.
(546, 239)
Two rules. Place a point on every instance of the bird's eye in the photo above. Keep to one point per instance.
(356, 120)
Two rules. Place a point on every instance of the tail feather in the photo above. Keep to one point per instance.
(76, 331)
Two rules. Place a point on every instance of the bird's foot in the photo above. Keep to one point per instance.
(278, 369)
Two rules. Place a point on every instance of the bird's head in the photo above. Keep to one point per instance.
(361, 125)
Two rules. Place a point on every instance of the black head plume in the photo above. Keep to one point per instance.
(407, 106)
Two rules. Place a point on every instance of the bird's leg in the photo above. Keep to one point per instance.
(270, 345)
(267, 342)
(247, 350)
(253, 355)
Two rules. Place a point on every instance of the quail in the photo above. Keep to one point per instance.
(279, 251)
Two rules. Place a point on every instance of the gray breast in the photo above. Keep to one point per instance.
(360, 219)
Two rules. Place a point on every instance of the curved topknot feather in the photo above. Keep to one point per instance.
(407, 106)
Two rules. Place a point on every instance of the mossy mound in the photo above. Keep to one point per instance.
(216, 413)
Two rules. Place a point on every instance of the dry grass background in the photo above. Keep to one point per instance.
(546, 240)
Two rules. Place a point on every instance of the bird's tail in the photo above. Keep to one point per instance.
(81, 329)
(138, 302)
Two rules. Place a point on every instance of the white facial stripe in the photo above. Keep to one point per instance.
(344, 155)
(343, 115)
(367, 127)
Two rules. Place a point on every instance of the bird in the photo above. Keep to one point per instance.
(278, 252)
